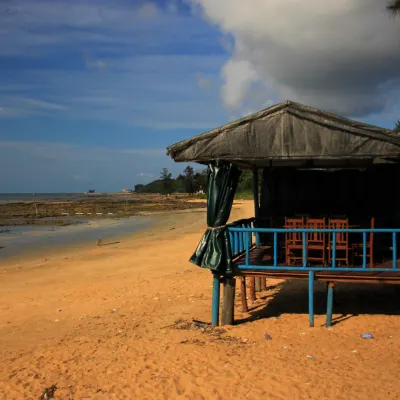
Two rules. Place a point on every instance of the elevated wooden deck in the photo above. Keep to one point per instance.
(261, 256)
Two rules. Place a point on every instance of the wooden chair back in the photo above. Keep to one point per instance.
(316, 237)
(294, 237)
(342, 238)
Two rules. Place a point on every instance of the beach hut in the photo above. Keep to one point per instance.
(327, 207)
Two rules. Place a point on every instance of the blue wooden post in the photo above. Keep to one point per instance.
(329, 304)
(215, 299)
(235, 243)
(247, 239)
(311, 297)
(364, 250)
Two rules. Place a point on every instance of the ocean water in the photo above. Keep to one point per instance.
(19, 197)
(42, 241)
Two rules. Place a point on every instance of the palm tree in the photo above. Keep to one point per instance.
(394, 7)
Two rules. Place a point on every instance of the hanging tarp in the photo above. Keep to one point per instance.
(289, 134)
(214, 251)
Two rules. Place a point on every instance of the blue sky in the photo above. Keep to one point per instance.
(91, 92)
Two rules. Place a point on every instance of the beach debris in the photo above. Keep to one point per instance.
(59, 309)
(354, 351)
(311, 357)
(114, 310)
(203, 327)
(231, 339)
(100, 242)
(267, 337)
(48, 393)
(367, 336)
(192, 341)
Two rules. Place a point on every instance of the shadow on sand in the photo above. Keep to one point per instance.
(350, 300)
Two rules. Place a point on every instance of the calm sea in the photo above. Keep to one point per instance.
(18, 197)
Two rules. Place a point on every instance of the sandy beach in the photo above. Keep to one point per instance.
(116, 322)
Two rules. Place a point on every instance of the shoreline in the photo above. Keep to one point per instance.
(160, 221)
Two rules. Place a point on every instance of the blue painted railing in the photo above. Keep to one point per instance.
(241, 237)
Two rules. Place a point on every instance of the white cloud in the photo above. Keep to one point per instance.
(40, 104)
(238, 76)
(148, 10)
(135, 73)
(12, 106)
(203, 82)
(172, 7)
(145, 175)
(337, 55)
(96, 64)
(156, 92)
(80, 178)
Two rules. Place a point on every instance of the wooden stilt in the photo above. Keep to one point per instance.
(258, 284)
(228, 303)
(329, 304)
(263, 284)
(243, 294)
(252, 287)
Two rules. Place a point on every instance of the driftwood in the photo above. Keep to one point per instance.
(100, 242)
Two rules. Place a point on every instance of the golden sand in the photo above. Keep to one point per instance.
(116, 323)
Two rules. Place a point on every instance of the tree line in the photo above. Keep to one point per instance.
(190, 181)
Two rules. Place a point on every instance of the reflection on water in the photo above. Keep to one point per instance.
(18, 241)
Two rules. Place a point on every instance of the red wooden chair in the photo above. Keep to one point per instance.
(316, 241)
(358, 247)
(342, 241)
(294, 241)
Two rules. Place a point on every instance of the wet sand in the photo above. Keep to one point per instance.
(20, 242)
(116, 323)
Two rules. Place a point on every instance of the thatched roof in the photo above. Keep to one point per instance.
(290, 133)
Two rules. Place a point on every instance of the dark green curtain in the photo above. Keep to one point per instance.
(214, 251)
